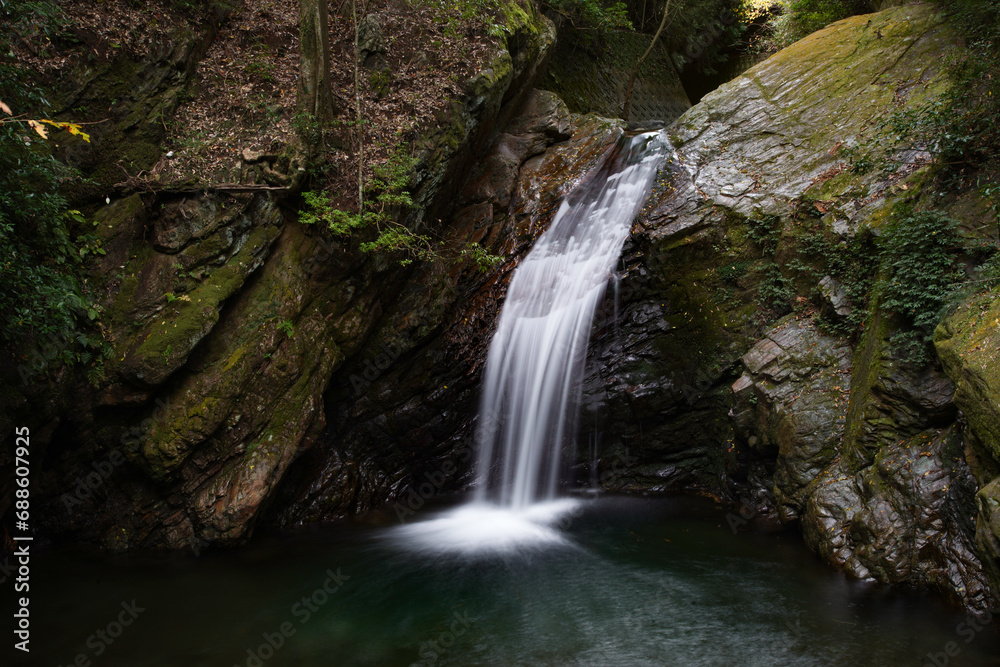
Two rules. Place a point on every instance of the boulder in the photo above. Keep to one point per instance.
(792, 398)
(968, 342)
(904, 520)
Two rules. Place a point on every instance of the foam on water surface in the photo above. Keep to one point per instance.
(478, 528)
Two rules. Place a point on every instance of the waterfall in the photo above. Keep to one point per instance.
(532, 384)
(534, 369)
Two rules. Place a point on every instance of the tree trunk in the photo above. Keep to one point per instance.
(315, 94)
(627, 107)
(360, 119)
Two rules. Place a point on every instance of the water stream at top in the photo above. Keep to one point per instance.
(534, 370)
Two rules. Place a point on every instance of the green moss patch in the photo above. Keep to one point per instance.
(968, 343)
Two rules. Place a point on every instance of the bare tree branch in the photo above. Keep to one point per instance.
(627, 107)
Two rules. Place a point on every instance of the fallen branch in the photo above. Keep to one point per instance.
(153, 186)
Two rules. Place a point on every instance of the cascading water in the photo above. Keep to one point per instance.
(535, 365)
(534, 370)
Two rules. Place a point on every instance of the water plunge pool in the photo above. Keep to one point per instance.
(630, 582)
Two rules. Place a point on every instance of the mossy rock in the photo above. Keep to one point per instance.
(902, 519)
(164, 294)
(774, 134)
(968, 342)
(988, 530)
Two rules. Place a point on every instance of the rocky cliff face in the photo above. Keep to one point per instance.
(968, 342)
(865, 452)
(228, 319)
(264, 371)
(401, 411)
(696, 380)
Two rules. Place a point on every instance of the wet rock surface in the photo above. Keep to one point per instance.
(695, 386)
(691, 383)
(904, 519)
(968, 342)
(792, 398)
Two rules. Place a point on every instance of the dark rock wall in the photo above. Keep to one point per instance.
(403, 412)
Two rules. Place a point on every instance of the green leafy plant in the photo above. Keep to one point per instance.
(765, 231)
(494, 17)
(261, 64)
(918, 253)
(991, 270)
(794, 19)
(385, 196)
(35, 21)
(960, 129)
(853, 264)
(46, 308)
(732, 272)
(909, 270)
(774, 290)
(593, 14)
(483, 259)
(380, 81)
(286, 327)
(951, 136)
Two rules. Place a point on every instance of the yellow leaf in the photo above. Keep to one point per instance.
(5, 109)
(75, 130)
(37, 127)
(72, 128)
